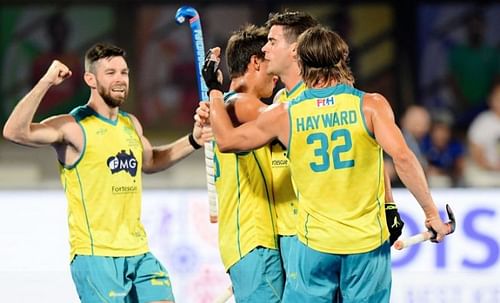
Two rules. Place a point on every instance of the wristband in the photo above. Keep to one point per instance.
(193, 142)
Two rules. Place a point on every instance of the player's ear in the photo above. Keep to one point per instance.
(293, 47)
(90, 79)
(255, 62)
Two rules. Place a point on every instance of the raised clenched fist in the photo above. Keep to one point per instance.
(57, 73)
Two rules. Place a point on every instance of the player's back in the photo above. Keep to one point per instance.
(336, 165)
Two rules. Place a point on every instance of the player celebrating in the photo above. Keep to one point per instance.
(335, 135)
(247, 219)
(102, 152)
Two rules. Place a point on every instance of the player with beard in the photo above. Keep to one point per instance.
(102, 151)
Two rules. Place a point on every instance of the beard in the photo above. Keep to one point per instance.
(110, 100)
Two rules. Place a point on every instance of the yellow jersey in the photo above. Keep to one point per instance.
(247, 218)
(283, 192)
(104, 188)
(337, 168)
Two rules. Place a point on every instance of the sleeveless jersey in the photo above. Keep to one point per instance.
(247, 218)
(337, 168)
(104, 188)
(284, 194)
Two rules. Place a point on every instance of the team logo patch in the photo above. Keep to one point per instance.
(123, 162)
(325, 102)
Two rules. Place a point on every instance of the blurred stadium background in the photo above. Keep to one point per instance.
(400, 49)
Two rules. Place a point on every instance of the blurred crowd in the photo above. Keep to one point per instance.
(459, 144)
(452, 157)
(449, 114)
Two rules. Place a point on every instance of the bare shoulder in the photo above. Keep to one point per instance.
(374, 100)
(244, 107)
(137, 124)
(376, 106)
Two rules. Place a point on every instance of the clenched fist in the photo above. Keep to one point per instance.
(57, 73)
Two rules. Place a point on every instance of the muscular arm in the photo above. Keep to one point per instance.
(159, 158)
(381, 122)
(19, 127)
(388, 187)
(248, 136)
(244, 108)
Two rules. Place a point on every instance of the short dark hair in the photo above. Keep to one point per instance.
(99, 51)
(294, 23)
(323, 55)
(241, 46)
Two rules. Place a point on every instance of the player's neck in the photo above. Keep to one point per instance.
(321, 83)
(100, 107)
(238, 85)
(244, 84)
(291, 77)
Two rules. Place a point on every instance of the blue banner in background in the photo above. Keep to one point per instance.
(465, 268)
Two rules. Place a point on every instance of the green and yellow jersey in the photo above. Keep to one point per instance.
(247, 218)
(104, 187)
(284, 194)
(337, 168)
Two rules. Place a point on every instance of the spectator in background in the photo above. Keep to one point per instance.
(474, 67)
(415, 125)
(484, 145)
(444, 153)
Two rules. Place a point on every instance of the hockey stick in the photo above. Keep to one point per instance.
(190, 14)
(225, 296)
(426, 235)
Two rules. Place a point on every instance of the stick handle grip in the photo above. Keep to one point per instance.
(407, 242)
(212, 191)
(225, 296)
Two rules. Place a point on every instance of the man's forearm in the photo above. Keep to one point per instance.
(165, 156)
(412, 175)
(17, 127)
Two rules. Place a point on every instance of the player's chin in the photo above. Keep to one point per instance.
(120, 98)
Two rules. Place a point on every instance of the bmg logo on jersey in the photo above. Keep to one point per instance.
(325, 101)
(123, 161)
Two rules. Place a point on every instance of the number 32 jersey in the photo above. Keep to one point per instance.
(337, 168)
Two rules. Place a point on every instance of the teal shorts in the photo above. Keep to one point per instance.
(258, 277)
(121, 279)
(353, 278)
(286, 245)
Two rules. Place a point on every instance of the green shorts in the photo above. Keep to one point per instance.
(121, 279)
(258, 277)
(324, 278)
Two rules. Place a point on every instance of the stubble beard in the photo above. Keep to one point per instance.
(110, 100)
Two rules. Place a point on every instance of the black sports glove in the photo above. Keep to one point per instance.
(210, 73)
(394, 222)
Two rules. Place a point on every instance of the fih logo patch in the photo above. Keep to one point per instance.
(123, 161)
(325, 101)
